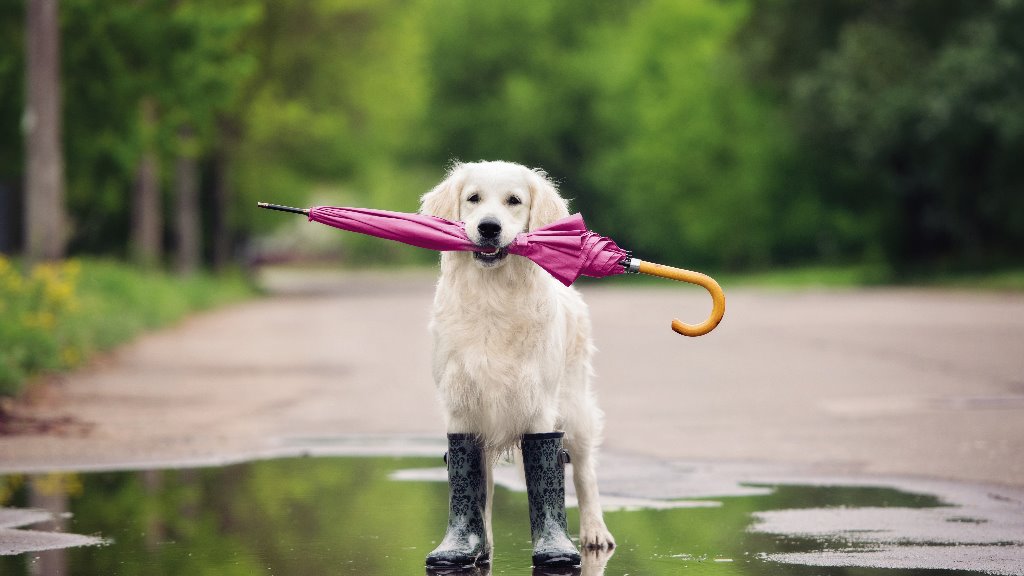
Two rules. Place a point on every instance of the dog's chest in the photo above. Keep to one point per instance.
(494, 335)
(503, 342)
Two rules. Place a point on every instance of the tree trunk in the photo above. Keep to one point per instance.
(221, 216)
(50, 493)
(147, 212)
(186, 188)
(45, 221)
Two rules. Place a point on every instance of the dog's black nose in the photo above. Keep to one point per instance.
(489, 228)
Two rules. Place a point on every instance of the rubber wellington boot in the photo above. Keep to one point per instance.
(544, 462)
(465, 543)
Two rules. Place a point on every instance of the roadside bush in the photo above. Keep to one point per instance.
(33, 308)
(55, 316)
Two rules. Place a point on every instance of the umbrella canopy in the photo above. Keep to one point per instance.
(564, 248)
(419, 230)
(567, 250)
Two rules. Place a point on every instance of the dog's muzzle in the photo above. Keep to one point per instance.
(490, 237)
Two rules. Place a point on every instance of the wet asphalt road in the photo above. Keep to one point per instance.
(887, 382)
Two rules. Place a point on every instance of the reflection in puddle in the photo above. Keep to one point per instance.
(48, 496)
(382, 515)
(978, 530)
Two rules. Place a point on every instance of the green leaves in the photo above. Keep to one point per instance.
(721, 133)
(911, 113)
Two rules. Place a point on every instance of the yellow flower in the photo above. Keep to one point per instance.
(46, 319)
(9, 485)
(70, 356)
(57, 483)
(43, 319)
(13, 283)
(58, 292)
(43, 272)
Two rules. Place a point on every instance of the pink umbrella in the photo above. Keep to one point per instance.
(564, 248)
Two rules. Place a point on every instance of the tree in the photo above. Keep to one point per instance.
(688, 155)
(525, 96)
(45, 221)
(910, 117)
(208, 71)
(188, 234)
(141, 72)
(147, 207)
(641, 111)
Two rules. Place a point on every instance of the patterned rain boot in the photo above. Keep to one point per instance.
(465, 543)
(544, 462)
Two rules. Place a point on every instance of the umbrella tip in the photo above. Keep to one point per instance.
(270, 206)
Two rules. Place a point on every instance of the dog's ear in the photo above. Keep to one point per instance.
(546, 205)
(443, 200)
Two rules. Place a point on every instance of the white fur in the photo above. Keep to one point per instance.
(512, 346)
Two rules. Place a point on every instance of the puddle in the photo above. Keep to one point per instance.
(381, 516)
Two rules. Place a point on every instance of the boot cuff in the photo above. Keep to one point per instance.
(543, 436)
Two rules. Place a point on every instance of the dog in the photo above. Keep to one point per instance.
(512, 345)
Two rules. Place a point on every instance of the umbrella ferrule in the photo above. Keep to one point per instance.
(280, 208)
(632, 264)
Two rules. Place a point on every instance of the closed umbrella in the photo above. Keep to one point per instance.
(565, 248)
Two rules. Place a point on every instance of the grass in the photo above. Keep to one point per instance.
(810, 277)
(840, 277)
(56, 316)
(1004, 280)
(783, 278)
(1009, 280)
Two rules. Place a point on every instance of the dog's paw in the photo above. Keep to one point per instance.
(594, 535)
(594, 561)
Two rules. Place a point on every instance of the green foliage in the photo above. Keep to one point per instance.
(35, 308)
(339, 98)
(805, 277)
(12, 91)
(58, 315)
(186, 57)
(733, 134)
(689, 160)
(512, 81)
(642, 113)
(909, 116)
(118, 302)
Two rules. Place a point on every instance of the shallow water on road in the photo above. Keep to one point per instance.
(359, 516)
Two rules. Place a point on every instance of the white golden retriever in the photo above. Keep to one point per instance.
(512, 346)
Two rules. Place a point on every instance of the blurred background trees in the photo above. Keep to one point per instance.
(910, 119)
(727, 134)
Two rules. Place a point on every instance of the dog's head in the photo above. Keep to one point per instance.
(496, 201)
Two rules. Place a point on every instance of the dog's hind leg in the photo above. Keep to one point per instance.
(544, 465)
(490, 461)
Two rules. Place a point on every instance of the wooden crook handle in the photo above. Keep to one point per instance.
(703, 280)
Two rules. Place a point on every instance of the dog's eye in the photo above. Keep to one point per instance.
(514, 201)
(473, 199)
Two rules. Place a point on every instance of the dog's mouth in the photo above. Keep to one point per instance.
(490, 255)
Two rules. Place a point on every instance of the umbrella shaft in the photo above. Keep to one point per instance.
(283, 208)
(632, 265)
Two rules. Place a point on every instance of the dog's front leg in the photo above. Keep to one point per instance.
(465, 540)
